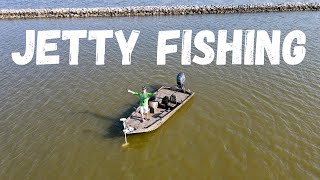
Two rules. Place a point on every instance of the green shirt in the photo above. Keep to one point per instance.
(144, 97)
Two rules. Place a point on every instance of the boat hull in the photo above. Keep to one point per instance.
(134, 124)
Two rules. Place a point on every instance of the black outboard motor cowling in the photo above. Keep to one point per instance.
(181, 78)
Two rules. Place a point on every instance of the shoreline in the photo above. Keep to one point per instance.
(154, 10)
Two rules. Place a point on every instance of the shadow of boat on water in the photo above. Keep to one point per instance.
(115, 129)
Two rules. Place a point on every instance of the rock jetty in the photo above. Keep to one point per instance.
(154, 10)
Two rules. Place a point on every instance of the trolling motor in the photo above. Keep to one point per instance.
(181, 79)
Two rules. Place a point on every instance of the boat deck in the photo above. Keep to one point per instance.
(160, 115)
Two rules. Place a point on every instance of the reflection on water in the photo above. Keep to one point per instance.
(62, 121)
(23, 4)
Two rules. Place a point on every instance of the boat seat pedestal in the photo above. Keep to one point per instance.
(153, 107)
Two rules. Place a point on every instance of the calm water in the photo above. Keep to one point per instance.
(22, 4)
(245, 122)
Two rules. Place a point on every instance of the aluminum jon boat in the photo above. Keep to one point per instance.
(168, 100)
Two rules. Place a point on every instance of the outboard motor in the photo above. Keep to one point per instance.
(181, 78)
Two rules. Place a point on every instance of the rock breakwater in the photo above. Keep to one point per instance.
(154, 10)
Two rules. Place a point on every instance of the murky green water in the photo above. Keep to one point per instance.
(245, 122)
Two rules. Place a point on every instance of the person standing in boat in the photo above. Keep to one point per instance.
(144, 98)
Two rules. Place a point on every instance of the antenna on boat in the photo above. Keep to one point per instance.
(124, 131)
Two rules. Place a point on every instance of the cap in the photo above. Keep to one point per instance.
(144, 88)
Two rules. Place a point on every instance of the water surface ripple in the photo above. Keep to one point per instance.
(245, 122)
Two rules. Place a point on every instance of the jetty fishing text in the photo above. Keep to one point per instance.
(248, 47)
